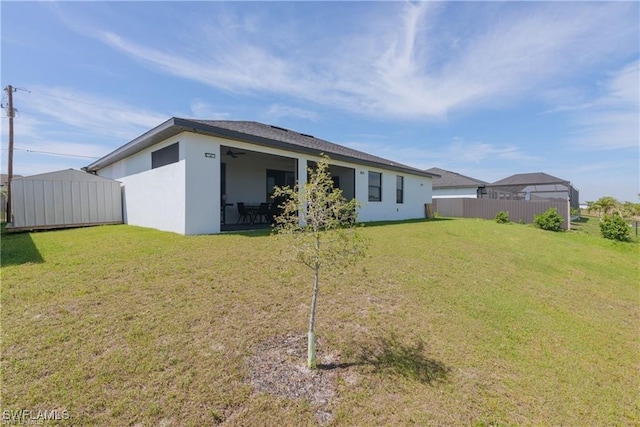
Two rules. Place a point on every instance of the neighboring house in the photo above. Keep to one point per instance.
(186, 175)
(522, 196)
(452, 184)
(533, 186)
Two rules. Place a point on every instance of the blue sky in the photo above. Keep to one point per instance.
(485, 89)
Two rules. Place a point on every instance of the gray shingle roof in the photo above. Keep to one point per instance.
(530, 179)
(296, 141)
(255, 133)
(450, 179)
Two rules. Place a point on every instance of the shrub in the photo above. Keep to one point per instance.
(550, 220)
(614, 227)
(502, 217)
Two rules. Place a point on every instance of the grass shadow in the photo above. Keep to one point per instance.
(247, 230)
(390, 356)
(259, 230)
(18, 248)
(580, 220)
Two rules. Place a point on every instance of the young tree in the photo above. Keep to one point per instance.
(322, 227)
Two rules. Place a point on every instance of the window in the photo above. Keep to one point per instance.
(375, 187)
(165, 156)
(279, 178)
(399, 189)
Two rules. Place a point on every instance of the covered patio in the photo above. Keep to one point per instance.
(247, 181)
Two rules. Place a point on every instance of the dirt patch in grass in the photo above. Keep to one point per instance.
(278, 367)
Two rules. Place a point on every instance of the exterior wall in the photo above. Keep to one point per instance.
(51, 202)
(574, 198)
(139, 162)
(156, 198)
(152, 197)
(202, 185)
(443, 193)
(488, 208)
(417, 193)
(180, 197)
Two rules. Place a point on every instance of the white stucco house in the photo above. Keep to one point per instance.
(187, 176)
(454, 185)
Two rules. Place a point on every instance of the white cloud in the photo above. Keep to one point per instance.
(476, 152)
(102, 116)
(612, 119)
(409, 60)
(71, 123)
(456, 154)
(239, 67)
(278, 111)
(204, 110)
(596, 179)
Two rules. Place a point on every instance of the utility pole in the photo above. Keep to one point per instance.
(10, 114)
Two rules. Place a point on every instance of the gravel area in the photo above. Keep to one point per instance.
(279, 367)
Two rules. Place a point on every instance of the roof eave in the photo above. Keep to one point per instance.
(568, 183)
(273, 143)
(147, 139)
(459, 186)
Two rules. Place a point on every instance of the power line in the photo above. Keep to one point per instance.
(117, 133)
(77, 101)
(54, 154)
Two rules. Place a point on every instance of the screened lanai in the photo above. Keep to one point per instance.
(532, 187)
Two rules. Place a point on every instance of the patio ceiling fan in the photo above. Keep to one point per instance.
(234, 154)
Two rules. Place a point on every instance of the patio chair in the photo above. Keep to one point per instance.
(263, 213)
(244, 214)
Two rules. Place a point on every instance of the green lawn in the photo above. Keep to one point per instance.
(471, 322)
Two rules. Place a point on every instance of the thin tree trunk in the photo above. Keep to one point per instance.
(311, 343)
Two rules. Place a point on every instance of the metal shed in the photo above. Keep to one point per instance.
(66, 198)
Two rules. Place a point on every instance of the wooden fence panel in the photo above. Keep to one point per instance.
(519, 210)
